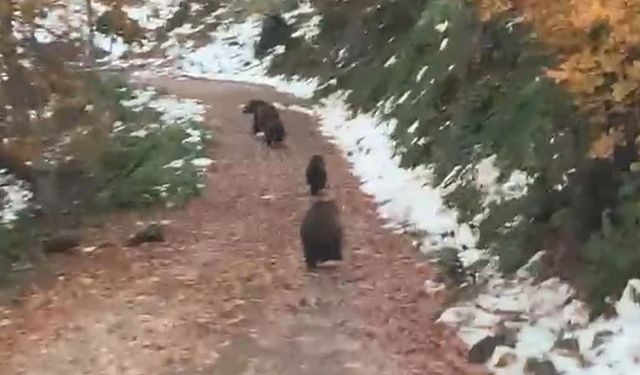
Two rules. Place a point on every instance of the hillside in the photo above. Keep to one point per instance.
(500, 136)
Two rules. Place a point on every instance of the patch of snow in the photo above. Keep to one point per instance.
(442, 27)
(421, 73)
(400, 194)
(139, 133)
(175, 164)
(153, 14)
(534, 341)
(310, 29)
(412, 129)
(300, 109)
(178, 111)
(15, 197)
(202, 162)
(487, 181)
(115, 46)
(444, 44)
(404, 97)
(139, 99)
(392, 60)
(43, 36)
(230, 56)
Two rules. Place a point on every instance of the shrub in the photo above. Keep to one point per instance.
(142, 176)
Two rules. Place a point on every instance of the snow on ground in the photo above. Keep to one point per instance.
(14, 197)
(368, 146)
(185, 113)
(153, 14)
(230, 57)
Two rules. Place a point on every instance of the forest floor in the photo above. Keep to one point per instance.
(227, 292)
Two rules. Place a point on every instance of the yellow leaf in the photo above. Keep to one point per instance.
(585, 83)
(622, 89)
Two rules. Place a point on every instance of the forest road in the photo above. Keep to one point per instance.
(227, 293)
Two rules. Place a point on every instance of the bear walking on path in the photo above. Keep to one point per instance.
(321, 233)
(266, 119)
(316, 174)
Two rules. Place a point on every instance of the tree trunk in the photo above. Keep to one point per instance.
(7, 8)
(89, 47)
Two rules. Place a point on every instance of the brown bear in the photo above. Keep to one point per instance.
(321, 233)
(316, 174)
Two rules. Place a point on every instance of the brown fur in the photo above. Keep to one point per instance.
(321, 233)
(316, 174)
(254, 107)
(267, 119)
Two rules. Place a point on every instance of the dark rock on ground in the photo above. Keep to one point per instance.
(568, 344)
(600, 338)
(154, 232)
(506, 359)
(535, 366)
(61, 242)
(483, 349)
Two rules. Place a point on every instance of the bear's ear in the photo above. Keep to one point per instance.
(247, 108)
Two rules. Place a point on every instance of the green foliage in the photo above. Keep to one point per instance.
(8, 250)
(147, 180)
(15, 239)
(468, 200)
(613, 254)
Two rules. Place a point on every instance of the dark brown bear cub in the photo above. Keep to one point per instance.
(316, 174)
(274, 132)
(267, 119)
(321, 234)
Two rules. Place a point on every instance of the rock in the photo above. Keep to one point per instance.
(483, 349)
(535, 366)
(533, 267)
(568, 345)
(508, 335)
(61, 242)
(600, 338)
(154, 232)
(450, 264)
(506, 359)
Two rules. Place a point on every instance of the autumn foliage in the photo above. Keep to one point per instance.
(598, 43)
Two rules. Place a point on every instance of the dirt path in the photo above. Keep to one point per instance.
(227, 293)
